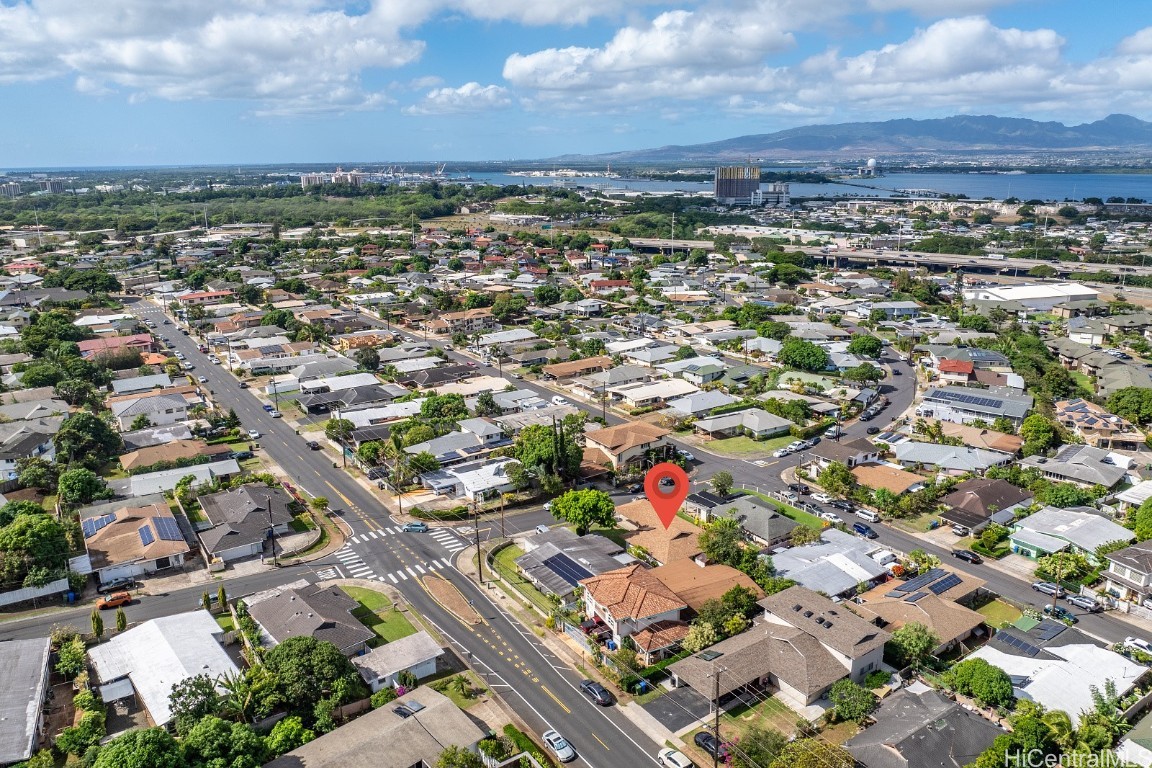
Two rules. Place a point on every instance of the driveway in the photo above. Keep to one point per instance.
(679, 708)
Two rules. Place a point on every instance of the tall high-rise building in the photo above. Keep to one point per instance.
(737, 184)
(313, 179)
(55, 186)
(10, 189)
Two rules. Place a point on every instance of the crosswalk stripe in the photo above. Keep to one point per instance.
(372, 534)
(403, 575)
(359, 569)
(455, 549)
(420, 569)
(446, 563)
(394, 530)
(393, 579)
(411, 572)
(432, 565)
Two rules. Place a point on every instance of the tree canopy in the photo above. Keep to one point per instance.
(584, 509)
(803, 355)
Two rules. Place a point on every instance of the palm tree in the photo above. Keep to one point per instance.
(394, 450)
(460, 685)
(242, 691)
(1060, 724)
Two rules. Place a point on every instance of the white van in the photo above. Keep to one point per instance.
(867, 514)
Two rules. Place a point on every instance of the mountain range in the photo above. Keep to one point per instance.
(959, 134)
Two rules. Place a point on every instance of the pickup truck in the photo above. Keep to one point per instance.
(269, 407)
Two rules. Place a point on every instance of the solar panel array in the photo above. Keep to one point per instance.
(961, 397)
(93, 524)
(915, 596)
(945, 584)
(1021, 645)
(921, 581)
(567, 568)
(1048, 629)
(167, 528)
(146, 536)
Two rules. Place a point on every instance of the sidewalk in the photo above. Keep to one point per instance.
(565, 650)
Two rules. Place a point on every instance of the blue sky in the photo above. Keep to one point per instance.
(173, 82)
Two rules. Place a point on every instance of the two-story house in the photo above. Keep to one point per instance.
(627, 444)
(1129, 574)
(629, 600)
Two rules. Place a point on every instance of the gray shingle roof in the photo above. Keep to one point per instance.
(324, 613)
(241, 516)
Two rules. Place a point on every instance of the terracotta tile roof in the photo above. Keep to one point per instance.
(678, 541)
(957, 366)
(177, 449)
(632, 593)
(876, 476)
(982, 438)
(662, 634)
(573, 367)
(618, 439)
(696, 584)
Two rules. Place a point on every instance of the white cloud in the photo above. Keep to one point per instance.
(470, 97)
(1137, 44)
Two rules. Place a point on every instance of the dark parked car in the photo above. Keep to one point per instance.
(873, 430)
(896, 372)
(598, 693)
(841, 504)
(313, 445)
(243, 385)
(116, 585)
(864, 530)
(711, 745)
(800, 488)
(967, 556)
(866, 416)
(635, 488)
(1061, 613)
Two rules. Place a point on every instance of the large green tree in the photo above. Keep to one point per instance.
(439, 407)
(584, 509)
(81, 486)
(911, 645)
(148, 748)
(757, 747)
(216, 743)
(803, 355)
(86, 439)
(32, 543)
(986, 683)
(191, 700)
(850, 701)
(308, 671)
(865, 345)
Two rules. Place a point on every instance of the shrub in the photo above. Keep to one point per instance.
(385, 695)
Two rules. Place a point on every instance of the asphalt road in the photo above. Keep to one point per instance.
(541, 689)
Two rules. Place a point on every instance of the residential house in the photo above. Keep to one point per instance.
(678, 540)
(475, 481)
(567, 370)
(24, 671)
(700, 403)
(1059, 667)
(596, 384)
(33, 409)
(416, 654)
(1129, 574)
(849, 452)
(111, 345)
(243, 519)
(383, 738)
(751, 422)
(203, 298)
(26, 440)
(835, 565)
(141, 384)
(147, 660)
(653, 394)
(976, 503)
(167, 479)
(555, 560)
(934, 599)
(761, 520)
(159, 410)
(956, 371)
(630, 599)
(132, 541)
(803, 644)
(1083, 465)
(964, 405)
(696, 581)
(1099, 428)
(978, 437)
(308, 610)
(1053, 530)
(917, 727)
(949, 459)
(628, 444)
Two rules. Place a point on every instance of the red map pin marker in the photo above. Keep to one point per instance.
(666, 486)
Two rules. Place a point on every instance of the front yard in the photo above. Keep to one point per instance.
(997, 613)
(377, 613)
(505, 563)
(804, 518)
(743, 446)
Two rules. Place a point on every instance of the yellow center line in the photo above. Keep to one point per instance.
(566, 710)
(601, 742)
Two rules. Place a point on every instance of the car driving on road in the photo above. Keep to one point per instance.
(414, 527)
(967, 556)
(598, 693)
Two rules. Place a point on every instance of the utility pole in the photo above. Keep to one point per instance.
(479, 554)
(272, 535)
(716, 715)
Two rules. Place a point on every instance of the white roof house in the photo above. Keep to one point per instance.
(166, 480)
(1061, 677)
(505, 337)
(161, 653)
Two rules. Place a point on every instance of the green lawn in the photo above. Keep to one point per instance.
(369, 598)
(920, 523)
(505, 562)
(225, 622)
(998, 613)
(440, 683)
(376, 613)
(302, 523)
(746, 446)
(1086, 382)
(791, 512)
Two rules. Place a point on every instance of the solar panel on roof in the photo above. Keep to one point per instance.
(914, 597)
(960, 397)
(89, 527)
(945, 584)
(567, 568)
(146, 536)
(1048, 629)
(167, 528)
(1023, 646)
(922, 580)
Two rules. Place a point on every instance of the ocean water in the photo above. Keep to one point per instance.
(1032, 186)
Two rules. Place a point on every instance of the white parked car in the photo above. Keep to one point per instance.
(823, 498)
(253, 434)
(1138, 644)
(781, 453)
(670, 758)
(790, 496)
(831, 517)
(559, 400)
(559, 747)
